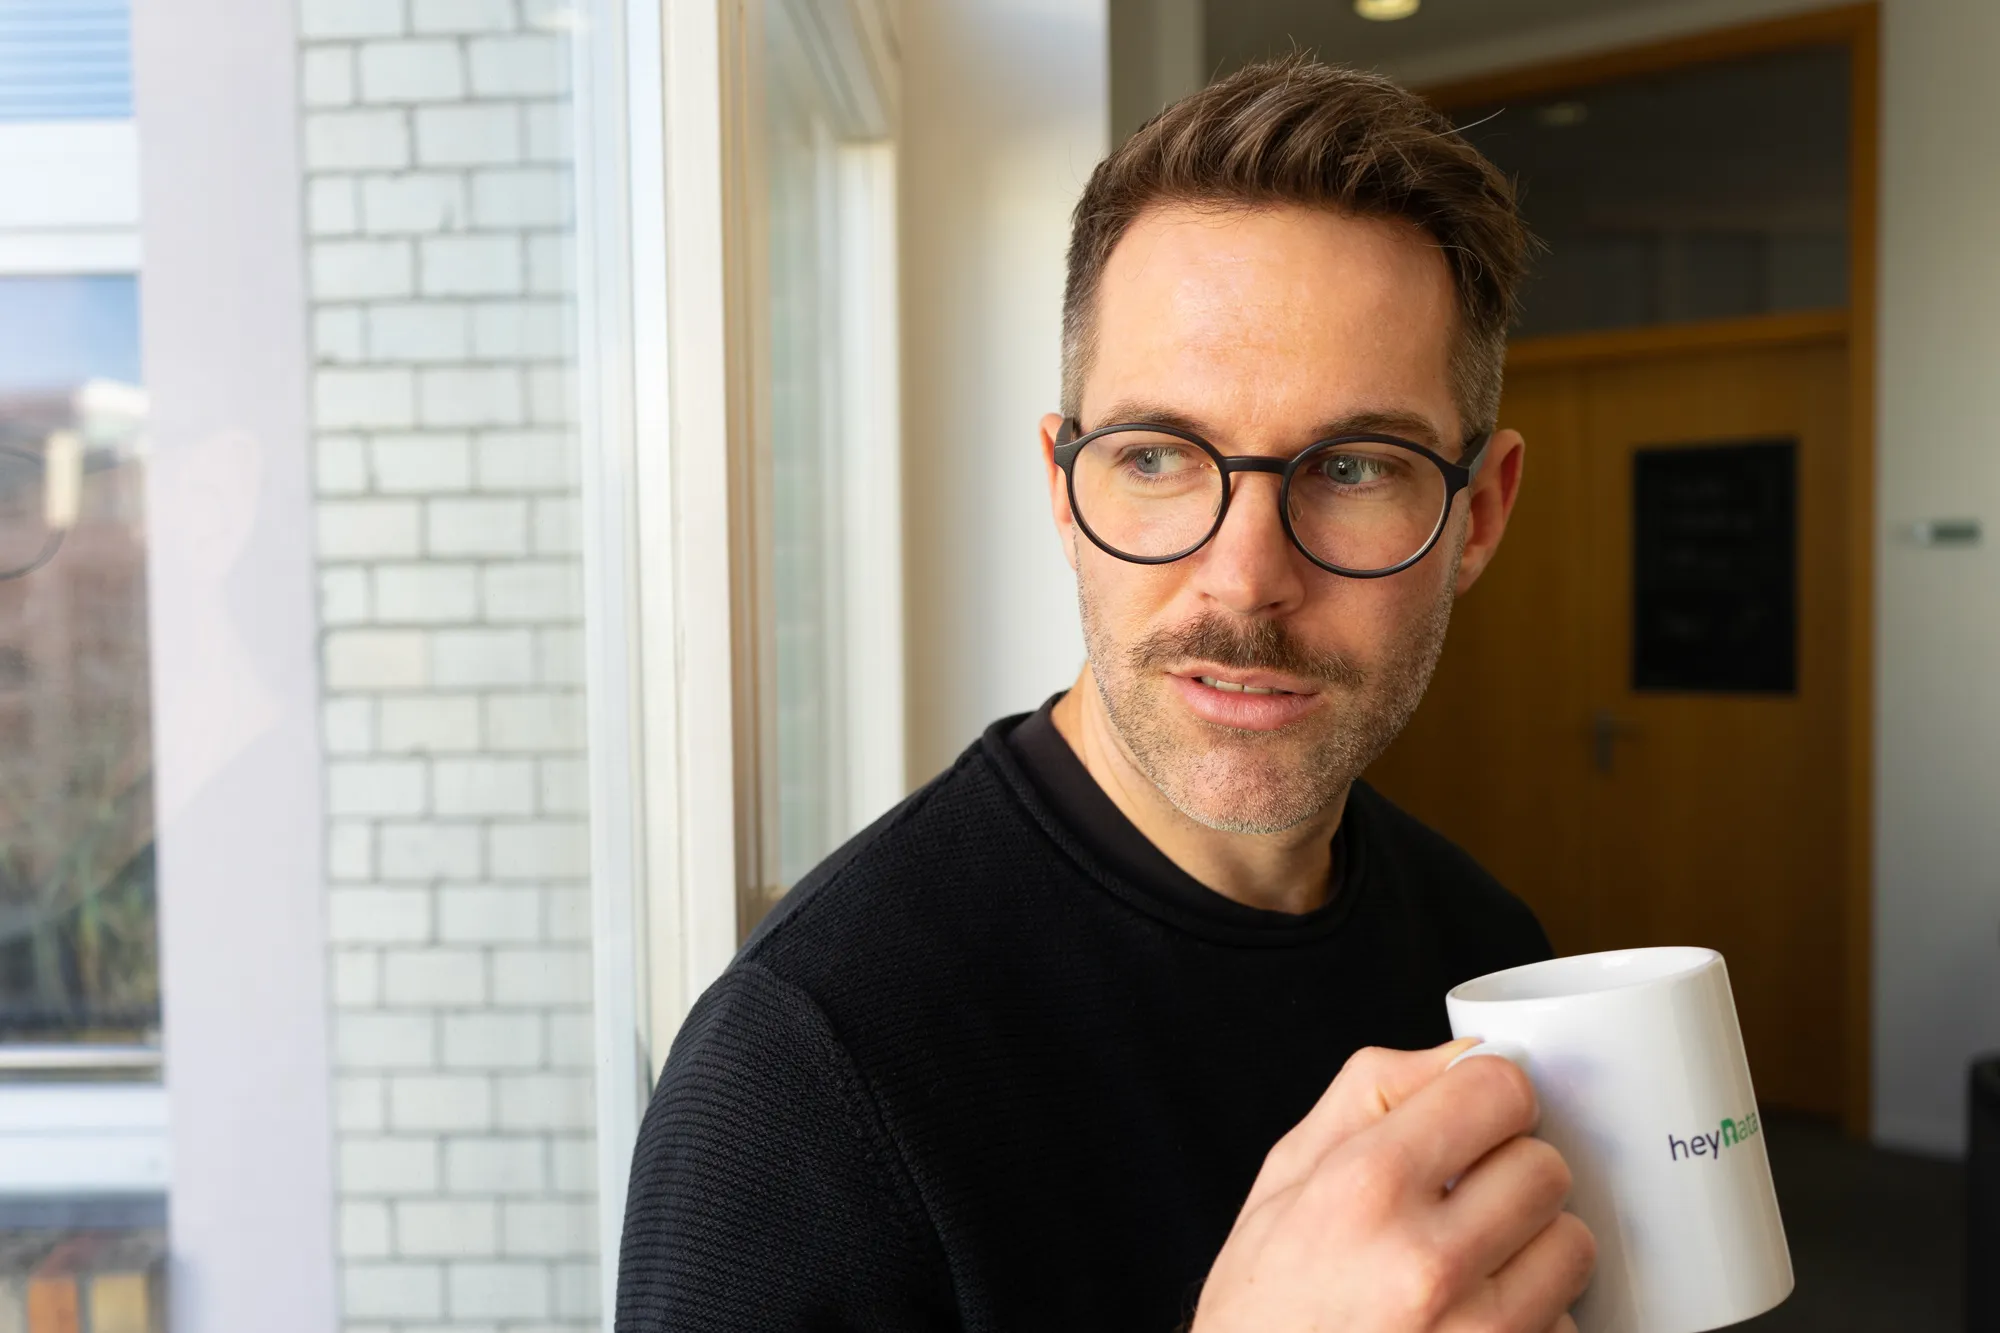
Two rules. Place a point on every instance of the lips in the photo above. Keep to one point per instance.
(1245, 700)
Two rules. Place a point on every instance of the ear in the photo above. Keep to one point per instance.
(1058, 487)
(1490, 501)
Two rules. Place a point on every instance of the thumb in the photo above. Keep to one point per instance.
(1373, 1082)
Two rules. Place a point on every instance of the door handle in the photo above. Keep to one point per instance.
(1605, 729)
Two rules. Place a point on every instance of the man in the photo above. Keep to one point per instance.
(1120, 1023)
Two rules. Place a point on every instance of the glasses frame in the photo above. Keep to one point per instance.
(1072, 438)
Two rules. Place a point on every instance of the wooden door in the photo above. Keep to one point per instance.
(1669, 814)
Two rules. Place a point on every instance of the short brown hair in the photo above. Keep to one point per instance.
(1296, 131)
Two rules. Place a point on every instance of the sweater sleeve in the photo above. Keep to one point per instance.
(765, 1194)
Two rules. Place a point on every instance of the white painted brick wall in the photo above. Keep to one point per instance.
(438, 207)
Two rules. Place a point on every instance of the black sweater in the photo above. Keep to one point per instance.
(998, 1064)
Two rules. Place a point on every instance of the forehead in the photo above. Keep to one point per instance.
(1264, 322)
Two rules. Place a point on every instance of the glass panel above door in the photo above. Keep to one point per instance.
(1709, 192)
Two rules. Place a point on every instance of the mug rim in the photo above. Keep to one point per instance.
(1577, 975)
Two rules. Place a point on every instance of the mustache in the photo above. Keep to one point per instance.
(1249, 645)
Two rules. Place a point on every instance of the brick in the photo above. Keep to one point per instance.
(344, 597)
(361, 398)
(489, 916)
(565, 787)
(376, 140)
(469, 658)
(326, 76)
(548, 132)
(364, 1231)
(350, 851)
(541, 976)
(432, 978)
(347, 726)
(368, 529)
(573, 1165)
(337, 335)
(551, 265)
(492, 1041)
(544, 1101)
(391, 1291)
(477, 527)
(558, 526)
(462, 16)
(371, 659)
(431, 724)
(412, 71)
(521, 197)
(539, 849)
(429, 851)
(359, 1103)
(378, 916)
(572, 1040)
(448, 1228)
(413, 202)
(519, 65)
(357, 978)
(499, 1291)
(368, 1040)
(576, 1290)
(350, 18)
(423, 463)
(476, 135)
(451, 1102)
(426, 593)
(522, 330)
(567, 913)
(375, 787)
(419, 331)
(559, 657)
(523, 460)
(548, 1230)
(471, 265)
(340, 464)
(514, 1165)
(358, 270)
(535, 722)
(551, 396)
(532, 591)
(473, 397)
(332, 208)
(484, 787)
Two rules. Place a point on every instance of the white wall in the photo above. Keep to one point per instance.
(1005, 112)
(1937, 769)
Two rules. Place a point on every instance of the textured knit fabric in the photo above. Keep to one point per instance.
(970, 1076)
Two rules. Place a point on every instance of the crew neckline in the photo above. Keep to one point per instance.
(1059, 793)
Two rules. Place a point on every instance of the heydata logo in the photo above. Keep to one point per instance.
(1727, 1135)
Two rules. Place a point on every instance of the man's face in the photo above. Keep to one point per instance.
(1265, 330)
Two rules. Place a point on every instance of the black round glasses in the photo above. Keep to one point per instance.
(1363, 506)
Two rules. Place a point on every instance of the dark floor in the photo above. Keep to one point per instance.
(1878, 1238)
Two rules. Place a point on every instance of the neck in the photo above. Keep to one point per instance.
(1281, 872)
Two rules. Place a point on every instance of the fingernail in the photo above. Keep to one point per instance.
(1506, 1050)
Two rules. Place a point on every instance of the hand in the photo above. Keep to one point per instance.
(1349, 1227)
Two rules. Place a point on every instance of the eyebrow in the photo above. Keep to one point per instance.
(1366, 421)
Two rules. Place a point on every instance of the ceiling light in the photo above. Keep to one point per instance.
(1385, 10)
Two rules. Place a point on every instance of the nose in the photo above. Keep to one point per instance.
(1250, 566)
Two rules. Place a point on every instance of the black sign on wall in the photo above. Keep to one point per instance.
(1715, 567)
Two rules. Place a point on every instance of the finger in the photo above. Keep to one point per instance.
(1458, 1117)
(1563, 1325)
(1536, 1287)
(1502, 1202)
(1373, 1082)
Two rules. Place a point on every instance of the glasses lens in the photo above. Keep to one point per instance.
(1146, 494)
(1366, 506)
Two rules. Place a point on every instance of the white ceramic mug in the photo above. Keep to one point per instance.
(1638, 1061)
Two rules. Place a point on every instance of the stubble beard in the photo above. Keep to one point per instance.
(1238, 781)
